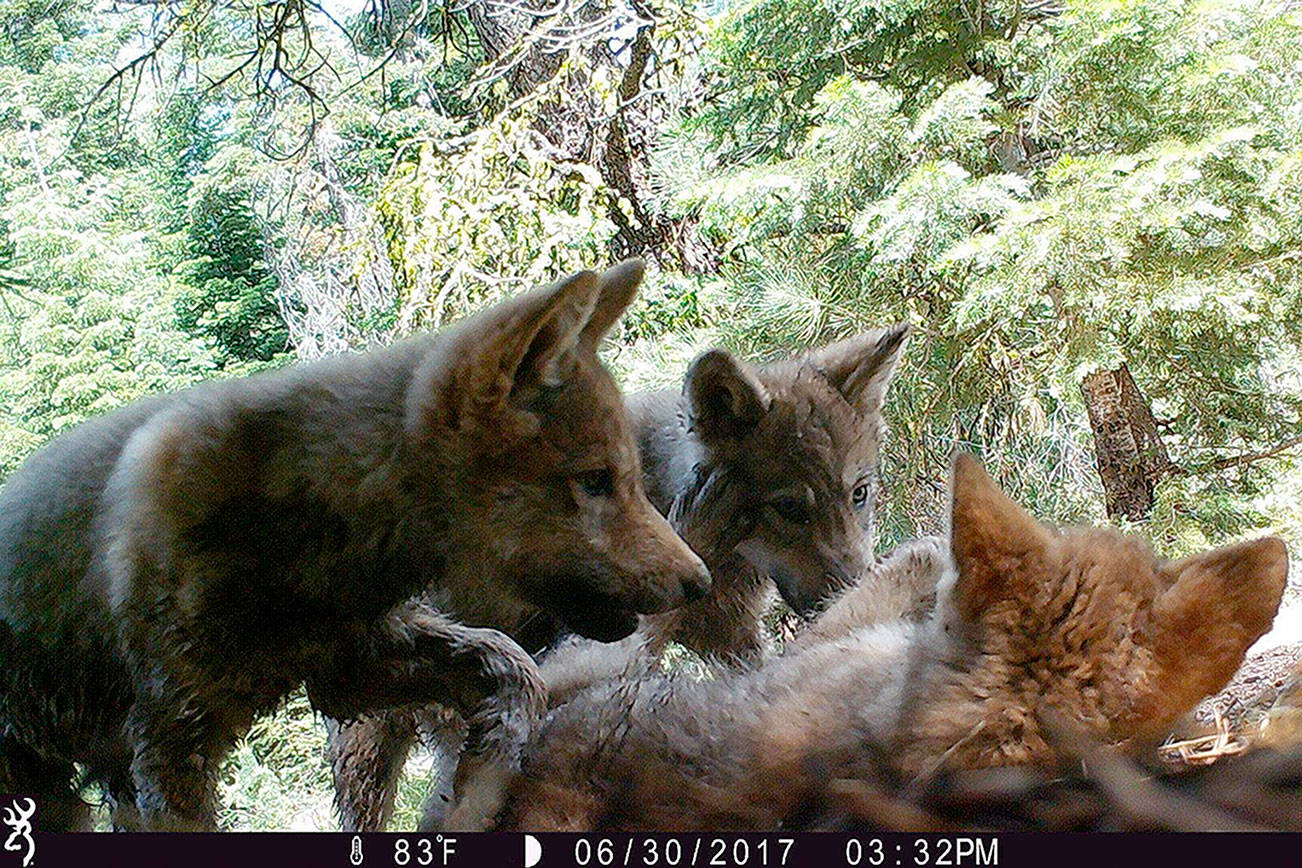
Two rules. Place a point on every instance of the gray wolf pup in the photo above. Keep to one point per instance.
(1032, 623)
(770, 474)
(169, 572)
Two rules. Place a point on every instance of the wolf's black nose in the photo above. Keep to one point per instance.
(697, 587)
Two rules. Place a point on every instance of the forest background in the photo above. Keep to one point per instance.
(1090, 212)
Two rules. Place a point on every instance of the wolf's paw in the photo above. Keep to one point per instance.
(915, 569)
(482, 797)
(927, 551)
(918, 564)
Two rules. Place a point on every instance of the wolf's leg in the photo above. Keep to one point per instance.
(728, 625)
(444, 734)
(173, 763)
(179, 725)
(366, 756)
(124, 816)
(120, 798)
(713, 515)
(902, 584)
(417, 656)
(26, 773)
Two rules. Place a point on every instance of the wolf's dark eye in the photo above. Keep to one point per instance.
(597, 483)
(860, 495)
(790, 509)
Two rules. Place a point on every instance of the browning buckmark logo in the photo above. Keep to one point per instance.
(18, 817)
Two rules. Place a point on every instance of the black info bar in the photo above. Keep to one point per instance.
(647, 850)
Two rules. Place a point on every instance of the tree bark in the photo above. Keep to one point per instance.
(641, 232)
(615, 146)
(1130, 454)
(502, 29)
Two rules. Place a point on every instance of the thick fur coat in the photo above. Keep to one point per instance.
(1081, 625)
(172, 570)
(770, 473)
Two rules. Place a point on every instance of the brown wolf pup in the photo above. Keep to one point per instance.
(770, 474)
(171, 571)
(1082, 624)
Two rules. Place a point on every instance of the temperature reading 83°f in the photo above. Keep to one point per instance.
(414, 851)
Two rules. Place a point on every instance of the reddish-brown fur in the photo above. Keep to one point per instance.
(720, 459)
(1083, 624)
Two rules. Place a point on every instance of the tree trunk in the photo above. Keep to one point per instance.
(502, 30)
(1131, 456)
(641, 232)
(617, 145)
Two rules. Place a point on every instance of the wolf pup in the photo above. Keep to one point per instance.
(769, 473)
(794, 449)
(1084, 625)
(171, 571)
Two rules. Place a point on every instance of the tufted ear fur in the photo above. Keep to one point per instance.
(1216, 606)
(481, 376)
(860, 367)
(725, 398)
(996, 544)
(615, 292)
(533, 347)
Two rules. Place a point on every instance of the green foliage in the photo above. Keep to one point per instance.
(768, 60)
(229, 294)
(500, 213)
(275, 777)
(1119, 183)
(187, 134)
(91, 328)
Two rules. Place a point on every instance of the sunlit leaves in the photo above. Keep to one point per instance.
(1118, 184)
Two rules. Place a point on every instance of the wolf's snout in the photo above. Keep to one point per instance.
(691, 572)
(671, 587)
(697, 586)
(671, 573)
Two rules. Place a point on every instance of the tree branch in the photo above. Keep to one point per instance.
(1246, 458)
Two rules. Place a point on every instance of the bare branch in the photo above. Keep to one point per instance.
(1247, 457)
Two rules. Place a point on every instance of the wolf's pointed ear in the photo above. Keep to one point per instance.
(1216, 605)
(993, 541)
(618, 287)
(860, 367)
(534, 346)
(725, 398)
